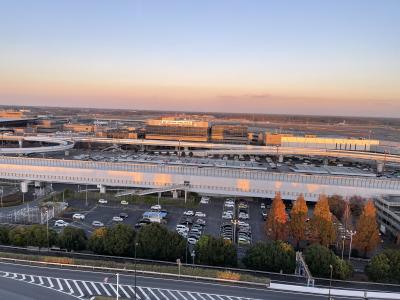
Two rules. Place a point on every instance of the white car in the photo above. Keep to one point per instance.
(156, 207)
(262, 205)
(204, 200)
(188, 213)
(200, 214)
(78, 217)
(192, 241)
(228, 204)
(124, 202)
(61, 223)
(97, 224)
(117, 219)
(103, 201)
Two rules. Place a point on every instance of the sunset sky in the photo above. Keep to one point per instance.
(297, 57)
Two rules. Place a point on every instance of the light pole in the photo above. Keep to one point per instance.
(186, 254)
(193, 254)
(117, 286)
(343, 238)
(2, 191)
(136, 244)
(330, 282)
(47, 229)
(351, 240)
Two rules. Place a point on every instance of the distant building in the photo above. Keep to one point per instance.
(11, 114)
(177, 129)
(275, 139)
(235, 134)
(388, 215)
(328, 143)
(79, 128)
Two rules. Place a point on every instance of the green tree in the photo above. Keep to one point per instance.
(37, 236)
(72, 239)
(4, 235)
(319, 258)
(155, 241)
(272, 257)
(19, 236)
(385, 267)
(96, 242)
(120, 240)
(321, 224)
(215, 252)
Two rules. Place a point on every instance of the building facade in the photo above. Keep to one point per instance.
(388, 215)
(234, 134)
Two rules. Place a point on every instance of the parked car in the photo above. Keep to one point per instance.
(117, 219)
(200, 214)
(61, 223)
(97, 224)
(156, 207)
(201, 222)
(78, 217)
(103, 201)
(192, 240)
(188, 213)
(123, 215)
(124, 202)
(262, 205)
(204, 200)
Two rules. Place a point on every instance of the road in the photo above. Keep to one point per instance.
(23, 282)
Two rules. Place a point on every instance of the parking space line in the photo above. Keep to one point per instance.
(200, 296)
(191, 296)
(71, 291)
(151, 292)
(114, 289)
(143, 292)
(87, 288)
(180, 294)
(59, 283)
(124, 292)
(50, 282)
(162, 294)
(79, 289)
(169, 291)
(133, 291)
(41, 280)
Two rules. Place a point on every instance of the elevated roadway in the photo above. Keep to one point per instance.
(54, 145)
(204, 180)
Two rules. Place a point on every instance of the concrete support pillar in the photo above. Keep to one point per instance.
(102, 189)
(20, 143)
(175, 194)
(280, 158)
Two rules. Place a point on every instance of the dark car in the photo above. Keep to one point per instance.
(123, 215)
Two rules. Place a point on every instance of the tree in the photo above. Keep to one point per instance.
(272, 257)
(157, 242)
(323, 229)
(319, 258)
(72, 239)
(37, 236)
(298, 217)
(97, 240)
(4, 235)
(120, 240)
(367, 236)
(356, 205)
(215, 252)
(18, 236)
(337, 206)
(385, 267)
(276, 227)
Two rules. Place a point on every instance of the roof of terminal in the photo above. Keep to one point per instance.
(333, 170)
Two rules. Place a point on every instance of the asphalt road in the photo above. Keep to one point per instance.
(23, 282)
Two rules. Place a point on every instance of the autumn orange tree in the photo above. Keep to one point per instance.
(322, 227)
(298, 217)
(276, 225)
(367, 236)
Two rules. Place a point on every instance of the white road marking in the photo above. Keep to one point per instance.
(87, 288)
(123, 291)
(59, 283)
(32, 279)
(190, 295)
(105, 289)
(95, 288)
(180, 294)
(41, 280)
(143, 292)
(200, 296)
(23, 277)
(71, 291)
(133, 291)
(162, 294)
(151, 292)
(176, 298)
(114, 289)
(50, 282)
(79, 289)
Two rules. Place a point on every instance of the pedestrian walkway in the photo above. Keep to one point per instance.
(88, 289)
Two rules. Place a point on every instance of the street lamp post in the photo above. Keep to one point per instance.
(351, 241)
(330, 282)
(47, 229)
(343, 238)
(117, 286)
(186, 254)
(2, 191)
(136, 244)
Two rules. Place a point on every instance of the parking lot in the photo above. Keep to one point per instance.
(104, 213)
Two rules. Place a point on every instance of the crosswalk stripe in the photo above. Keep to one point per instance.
(59, 283)
(143, 292)
(114, 289)
(87, 288)
(79, 289)
(133, 291)
(71, 291)
(95, 288)
(50, 282)
(169, 292)
(151, 292)
(123, 291)
(105, 289)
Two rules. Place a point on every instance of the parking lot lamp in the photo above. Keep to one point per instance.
(330, 282)
(351, 240)
(187, 226)
(136, 244)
